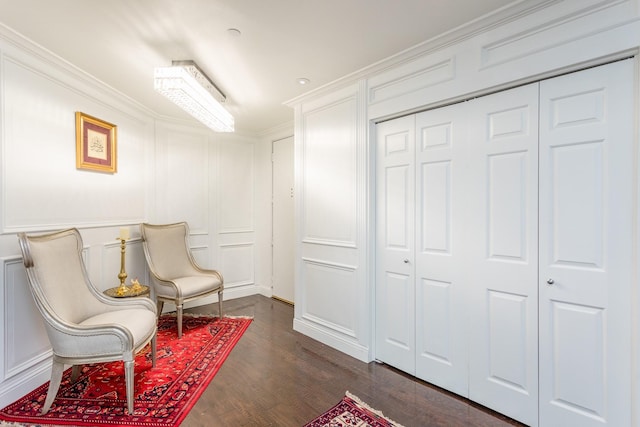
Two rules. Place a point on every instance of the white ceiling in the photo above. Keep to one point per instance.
(121, 41)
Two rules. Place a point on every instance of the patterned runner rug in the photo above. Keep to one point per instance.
(352, 412)
(164, 394)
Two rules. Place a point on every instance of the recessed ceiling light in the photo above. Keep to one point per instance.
(303, 81)
(234, 32)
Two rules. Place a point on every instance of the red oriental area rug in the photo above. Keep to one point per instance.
(352, 412)
(164, 394)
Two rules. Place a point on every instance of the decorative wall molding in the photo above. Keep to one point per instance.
(20, 318)
(236, 264)
(236, 198)
(419, 74)
(323, 278)
(22, 50)
(548, 35)
(329, 183)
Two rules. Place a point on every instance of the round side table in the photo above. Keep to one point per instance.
(142, 292)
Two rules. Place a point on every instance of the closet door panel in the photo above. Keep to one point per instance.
(586, 214)
(395, 243)
(501, 251)
(441, 330)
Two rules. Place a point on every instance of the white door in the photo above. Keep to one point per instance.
(283, 220)
(441, 314)
(395, 290)
(586, 213)
(501, 245)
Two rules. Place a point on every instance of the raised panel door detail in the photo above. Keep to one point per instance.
(398, 294)
(578, 205)
(396, 143)
(508, 123)
(435, 215)
(436, 136)
(507, 202)
(397, 206)
(508, 340)
(578, 383)
(578, 109)
(435, 320)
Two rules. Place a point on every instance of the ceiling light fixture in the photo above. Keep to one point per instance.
(303, 81)
(189, 88)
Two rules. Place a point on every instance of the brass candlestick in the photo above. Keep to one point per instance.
(122, 289)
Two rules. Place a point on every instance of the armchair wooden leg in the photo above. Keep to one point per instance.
(179, 319)
(159, 306)
(75, 372)
(128, 378)
(56, 377)
(220, 304)
(153, 350)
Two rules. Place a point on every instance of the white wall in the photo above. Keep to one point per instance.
(167, 171)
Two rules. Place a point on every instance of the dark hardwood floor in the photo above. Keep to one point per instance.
(278, 377)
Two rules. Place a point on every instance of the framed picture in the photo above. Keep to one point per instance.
(95, 144)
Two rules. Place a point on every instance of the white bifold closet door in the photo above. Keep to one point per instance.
(441, 301)
(504, 248)
(395, 250)
(420, 320)
(587, 199)
(501, 251)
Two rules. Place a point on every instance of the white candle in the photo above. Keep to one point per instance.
(124, 233)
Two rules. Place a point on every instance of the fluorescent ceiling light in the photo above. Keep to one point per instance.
(188, 87)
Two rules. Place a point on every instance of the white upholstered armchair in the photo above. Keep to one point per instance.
(82, 324)
(177, 276)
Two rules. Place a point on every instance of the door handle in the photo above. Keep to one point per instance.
(550, 282)
(406, 261)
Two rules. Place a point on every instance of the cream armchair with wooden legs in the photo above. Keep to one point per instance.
(83, 325)
(177, 278)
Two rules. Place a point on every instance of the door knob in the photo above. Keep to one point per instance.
(550, 281)
(406, 261)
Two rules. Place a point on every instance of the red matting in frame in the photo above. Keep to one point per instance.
(96, 144)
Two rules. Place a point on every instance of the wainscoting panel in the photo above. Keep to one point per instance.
(236, 191)
(183, 179)
(329, 295)
(236, 264)
(21, 319)
(329, 160)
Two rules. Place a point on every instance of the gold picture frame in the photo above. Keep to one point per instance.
(96, 144)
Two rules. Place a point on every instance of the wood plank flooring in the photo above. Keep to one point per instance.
(278, 377)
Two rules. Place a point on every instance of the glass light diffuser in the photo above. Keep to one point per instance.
(187, 86)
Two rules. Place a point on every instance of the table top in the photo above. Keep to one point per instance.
(143, 290)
